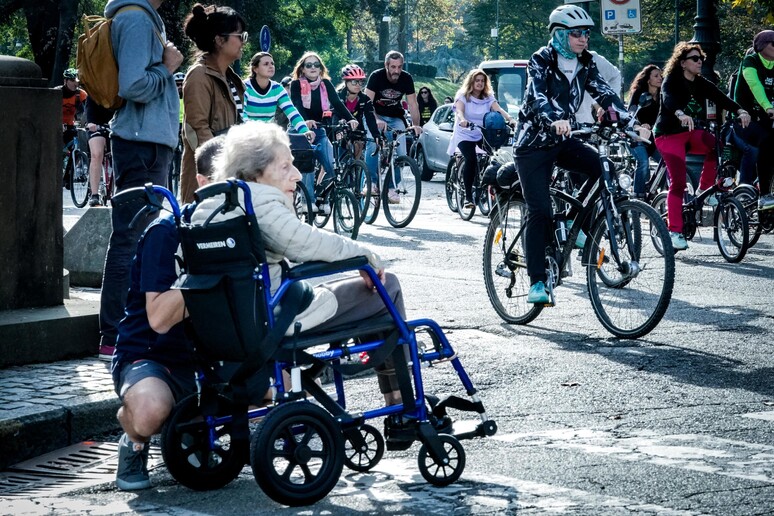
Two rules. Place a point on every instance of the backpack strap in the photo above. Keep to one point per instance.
(139, 8)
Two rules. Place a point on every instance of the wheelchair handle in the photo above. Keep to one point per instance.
(153, 197)
(229, 188)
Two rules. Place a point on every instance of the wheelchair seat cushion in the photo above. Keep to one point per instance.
(321, 309)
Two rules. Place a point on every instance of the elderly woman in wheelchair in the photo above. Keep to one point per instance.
(249, 307)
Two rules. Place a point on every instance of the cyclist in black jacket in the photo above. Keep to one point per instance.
(559, 74)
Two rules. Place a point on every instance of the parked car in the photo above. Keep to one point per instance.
(430, 149)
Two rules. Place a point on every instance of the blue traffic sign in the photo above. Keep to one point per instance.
(631, 13)
(265, 39)
(610, 14)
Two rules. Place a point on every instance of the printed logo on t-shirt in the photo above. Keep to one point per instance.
(390, 97)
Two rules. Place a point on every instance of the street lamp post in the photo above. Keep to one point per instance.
(707, 34)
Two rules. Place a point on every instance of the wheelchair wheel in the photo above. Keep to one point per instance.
(197, 455)
(297, 454)
(446, 470)
(365, 456)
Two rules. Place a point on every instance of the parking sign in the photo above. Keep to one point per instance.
(621, 16)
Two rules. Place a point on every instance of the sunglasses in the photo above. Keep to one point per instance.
(695, 59)
(316, 64)
(356, 82)
(424, 92)
(580, 33)
(241, 35)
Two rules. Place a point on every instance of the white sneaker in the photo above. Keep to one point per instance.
(393, 196)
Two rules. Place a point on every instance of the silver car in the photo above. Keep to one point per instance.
(430, 149)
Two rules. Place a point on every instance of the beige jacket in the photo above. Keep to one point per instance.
(209, 110)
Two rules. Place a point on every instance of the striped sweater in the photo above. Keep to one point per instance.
(263, 107)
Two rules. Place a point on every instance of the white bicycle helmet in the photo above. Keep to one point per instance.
(569, 16)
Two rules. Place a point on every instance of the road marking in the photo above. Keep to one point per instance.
(398, 481)
(766, 416)
(695, 452)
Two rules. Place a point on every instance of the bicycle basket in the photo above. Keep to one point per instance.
(495, 130)
(303, 155)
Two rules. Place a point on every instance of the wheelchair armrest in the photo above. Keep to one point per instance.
(310, 269)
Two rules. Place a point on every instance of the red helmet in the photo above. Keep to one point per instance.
(352, 72)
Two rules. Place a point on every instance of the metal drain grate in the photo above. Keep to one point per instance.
(80, 465)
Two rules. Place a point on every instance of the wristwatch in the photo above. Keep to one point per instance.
(679, 113)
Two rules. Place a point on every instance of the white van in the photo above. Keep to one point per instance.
(509, 80)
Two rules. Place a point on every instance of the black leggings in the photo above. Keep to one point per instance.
(468, 151)
(535, 167)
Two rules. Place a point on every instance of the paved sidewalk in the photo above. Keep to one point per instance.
(48, 406)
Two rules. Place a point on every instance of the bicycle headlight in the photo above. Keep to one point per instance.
(625, 181)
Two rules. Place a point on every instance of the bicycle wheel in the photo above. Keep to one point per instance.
(631, 292)
(302, 204)
(451, 185)
(748, 196)
(409, 190)
(505, 265)
(324, 207)
(731, 229)
(346, 214)
(485, 200)
(459, 193)
(359, 181)
(79, 179)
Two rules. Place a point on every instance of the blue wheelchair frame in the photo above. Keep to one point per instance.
(436, 447)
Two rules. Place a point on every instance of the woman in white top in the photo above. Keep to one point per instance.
(474, 99)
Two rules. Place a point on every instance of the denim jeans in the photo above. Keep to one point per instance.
(748, 140)
(324, 151)
(372, 162)
(134, 164)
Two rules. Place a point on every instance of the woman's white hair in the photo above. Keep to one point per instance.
(249, 148)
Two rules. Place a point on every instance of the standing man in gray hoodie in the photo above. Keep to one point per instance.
(144, 134)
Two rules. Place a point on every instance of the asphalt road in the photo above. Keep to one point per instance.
(678, 422)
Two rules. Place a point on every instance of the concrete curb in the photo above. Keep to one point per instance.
(34, 434)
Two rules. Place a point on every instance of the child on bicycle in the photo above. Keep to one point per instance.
(559, 73)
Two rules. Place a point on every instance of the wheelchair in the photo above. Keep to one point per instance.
(245, 340)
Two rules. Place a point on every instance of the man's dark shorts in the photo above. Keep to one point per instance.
(181, 381)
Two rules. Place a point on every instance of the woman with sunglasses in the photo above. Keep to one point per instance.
(358, 103)
(559, 74)
(212, 91)
(315, 97)
(264, 98)
(684, 98)
(427, 105)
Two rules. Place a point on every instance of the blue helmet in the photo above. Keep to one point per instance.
(495, 129)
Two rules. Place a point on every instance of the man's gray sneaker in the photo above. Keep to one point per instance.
(132, 472)
(766, 202)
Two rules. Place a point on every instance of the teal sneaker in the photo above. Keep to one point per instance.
(538, 294)
(678, 241)
(580, 240)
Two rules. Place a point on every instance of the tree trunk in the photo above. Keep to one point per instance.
(68, 16)
(43, 26)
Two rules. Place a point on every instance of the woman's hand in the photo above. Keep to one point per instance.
(744, 117)
(562, 127)
(370, 284)
(464, 123)
(353, 124)
(311, 124)
(310, 136)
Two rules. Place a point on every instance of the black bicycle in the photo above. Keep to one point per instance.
(717, 206)
(483, 195)
(401, 186)
(76, 169)
(628, 254)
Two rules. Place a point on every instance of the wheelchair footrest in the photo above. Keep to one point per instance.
(457, 403)
(484, 429)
